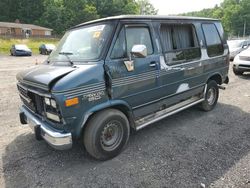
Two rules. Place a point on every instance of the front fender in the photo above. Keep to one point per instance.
(99, 107)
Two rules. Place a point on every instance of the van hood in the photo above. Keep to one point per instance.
(245, 53)
(232, 50)
(43, 76)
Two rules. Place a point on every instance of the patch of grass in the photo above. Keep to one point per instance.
(33, 44)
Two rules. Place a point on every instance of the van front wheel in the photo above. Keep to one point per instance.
(237, 72)
(106, 134)
(211, 96)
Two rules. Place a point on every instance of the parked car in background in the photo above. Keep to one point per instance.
(20, 50)
(46, 48)
(237, 46)
(241, 62)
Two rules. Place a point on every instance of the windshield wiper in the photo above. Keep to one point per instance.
(66, 54)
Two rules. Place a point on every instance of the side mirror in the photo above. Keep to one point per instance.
(139, 50)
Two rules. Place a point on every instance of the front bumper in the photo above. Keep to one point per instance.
(55, 139)
(242, 66)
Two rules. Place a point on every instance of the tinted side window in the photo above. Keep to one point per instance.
(128, 37)
(180, 43)
(213, 41)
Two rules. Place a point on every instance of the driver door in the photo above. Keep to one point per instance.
(137, 85)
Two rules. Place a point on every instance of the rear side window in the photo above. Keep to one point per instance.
(128, 37)
(213, 40)
(179, 43)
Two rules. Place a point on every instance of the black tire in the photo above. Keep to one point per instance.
(237, 72)
(211, 96)
(106, 127)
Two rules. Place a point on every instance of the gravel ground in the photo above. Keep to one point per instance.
(189, 149)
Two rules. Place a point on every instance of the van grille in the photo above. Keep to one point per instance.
(244, 66)
(244, 58)
(31, 100)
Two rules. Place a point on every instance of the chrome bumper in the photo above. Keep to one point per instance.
(55, 139)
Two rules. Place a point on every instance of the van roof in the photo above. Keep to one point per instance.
(147, 17)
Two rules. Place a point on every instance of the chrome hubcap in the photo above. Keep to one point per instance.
(211, 96)
(111, 136)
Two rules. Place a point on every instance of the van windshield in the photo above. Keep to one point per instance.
(82, 44)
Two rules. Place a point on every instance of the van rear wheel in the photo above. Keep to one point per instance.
(106, 134)
(211, 96)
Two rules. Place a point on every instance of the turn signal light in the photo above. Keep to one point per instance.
(71, 102)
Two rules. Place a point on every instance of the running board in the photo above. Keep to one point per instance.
(166, 112)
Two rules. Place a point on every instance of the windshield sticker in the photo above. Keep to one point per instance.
(96, 34)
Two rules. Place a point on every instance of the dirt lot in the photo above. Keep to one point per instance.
(186, 150)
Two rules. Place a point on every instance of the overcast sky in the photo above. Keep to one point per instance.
(167, 7)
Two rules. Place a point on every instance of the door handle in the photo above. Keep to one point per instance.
(152, 64)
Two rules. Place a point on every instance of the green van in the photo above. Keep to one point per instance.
(109, 76)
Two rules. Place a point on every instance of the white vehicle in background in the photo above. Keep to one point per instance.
(241, 62)
(237, 46)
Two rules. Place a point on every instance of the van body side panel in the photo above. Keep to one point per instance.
(180, 81)
(217, 65)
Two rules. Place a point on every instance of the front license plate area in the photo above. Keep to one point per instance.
(37, 131)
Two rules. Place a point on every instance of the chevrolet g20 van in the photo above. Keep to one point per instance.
(112, 75)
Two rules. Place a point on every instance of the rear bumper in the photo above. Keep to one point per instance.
(55, 139)
(23, 53)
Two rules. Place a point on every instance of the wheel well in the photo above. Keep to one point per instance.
(124, 109)
(121, 108)
(216, 78)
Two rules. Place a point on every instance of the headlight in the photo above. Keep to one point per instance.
(51, 109)
(237, 58)
(53, 103)
(47, 101)
(50, 102)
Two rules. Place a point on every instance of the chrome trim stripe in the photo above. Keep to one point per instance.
(125, 79)
(131, 95)
(137, 75)
(80, 88)
(83, 93)
(85, 90)
(125, 82)
(76, 95)
(134, 81)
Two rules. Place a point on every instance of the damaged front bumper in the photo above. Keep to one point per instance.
(56, 139)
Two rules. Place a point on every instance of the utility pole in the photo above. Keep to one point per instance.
(244, 32)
